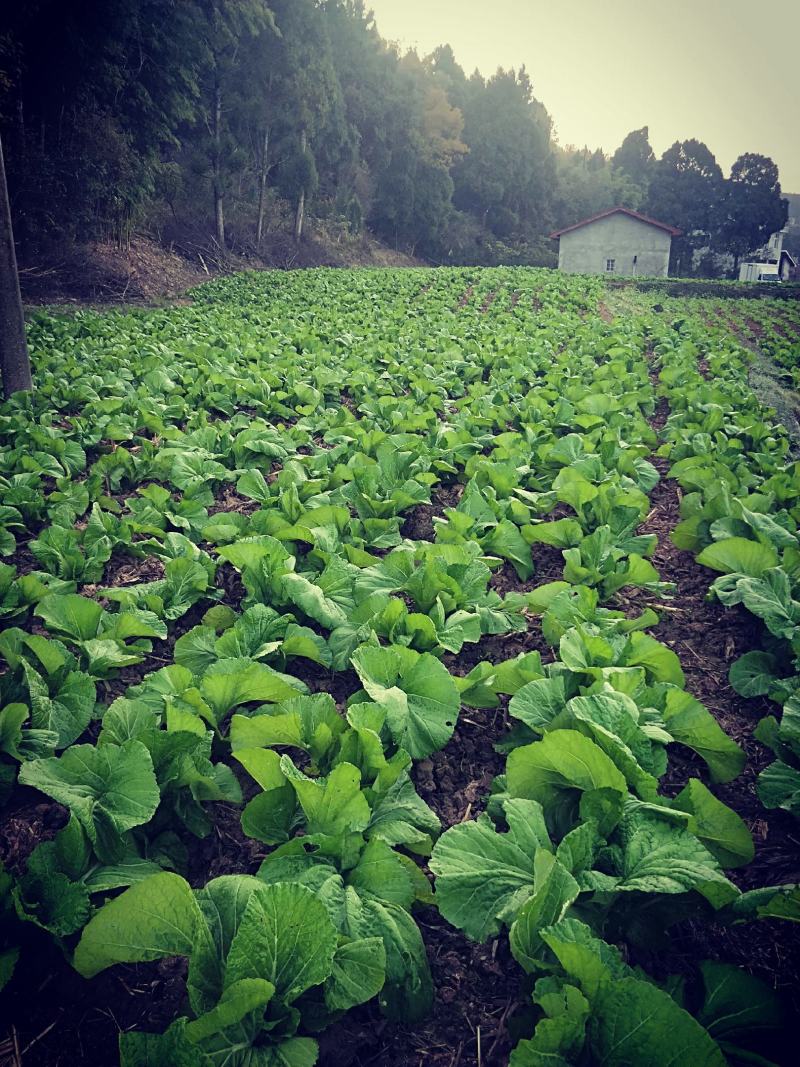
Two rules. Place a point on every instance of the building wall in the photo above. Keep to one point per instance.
(618, 237)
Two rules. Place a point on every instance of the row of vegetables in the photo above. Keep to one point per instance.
(255, 457)
(772, 326)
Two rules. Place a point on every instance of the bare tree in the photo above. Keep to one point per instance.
(15, 364)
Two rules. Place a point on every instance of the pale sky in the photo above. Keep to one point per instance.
(724, 71)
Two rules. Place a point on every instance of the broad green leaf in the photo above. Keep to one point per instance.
(483, 875)
(75, 616)
(416, 690)
(736, 1003)
(720, 829)
(332, 806)
(381, 874)
(359, 972)
(659, 857)
(693, 725)
(738, 555)
(753, 674)
(231, 682)
(67, 711)
(557, 769)
(636, 1023)
(554, 891)
(109, 789)
(586, 959)
(238, 1000)
(286, 937)
(156, 918)
(538, 702)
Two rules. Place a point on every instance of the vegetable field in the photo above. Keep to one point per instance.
(402, 668)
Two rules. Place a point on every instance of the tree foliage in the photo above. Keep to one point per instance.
(232, 118)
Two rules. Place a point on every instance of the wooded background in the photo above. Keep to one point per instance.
(225, 120)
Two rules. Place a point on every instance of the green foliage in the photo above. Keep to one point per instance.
(308, 584)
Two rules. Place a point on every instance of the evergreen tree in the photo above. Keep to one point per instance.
(685, 190)
(752, 207)
(636, 158)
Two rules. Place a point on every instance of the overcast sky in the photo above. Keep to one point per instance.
(724, 71)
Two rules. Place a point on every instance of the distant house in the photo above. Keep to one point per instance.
(770, 263)
(619, 241)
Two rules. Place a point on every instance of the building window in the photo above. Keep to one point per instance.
(610, 264)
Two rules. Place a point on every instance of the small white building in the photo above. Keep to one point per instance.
(771, 263)
(618, 241)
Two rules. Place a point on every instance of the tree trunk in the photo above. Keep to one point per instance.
(262, 187)
(15, 364)
(219, 217)
(22, 236)
(301, 203)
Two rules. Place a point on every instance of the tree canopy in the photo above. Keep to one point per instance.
(235, 117)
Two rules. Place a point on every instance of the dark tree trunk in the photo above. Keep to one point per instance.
(15, 363)
(219, 216)
(301, 203)
(22, 237)
(262, 187)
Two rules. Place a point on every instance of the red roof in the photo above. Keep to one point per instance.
(624, 211)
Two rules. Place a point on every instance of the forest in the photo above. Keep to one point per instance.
(219, 122)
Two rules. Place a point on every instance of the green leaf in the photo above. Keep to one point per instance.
(737, 555)
(270, 816)
(720, 829)
(736, 1003)
(329, 599)
(660, 662)
(286, 937)
(562, 764)
(482, 875)
(109, 789)
(506, 541)
(334, 805)
(779, 787)
(417, 692)
(67, 710)
(358, 975)
(753, 674)
(586, 959)
(231, 682)
(407, 994)
(659, 857)
(636, 1023)
(554, 891)
(770, 599)
(158, 917)
(538, 703)
(381, 873)
(401, 817)
(693, 725)
(69, 614)
(238, 1000)
(311, 723)
(197, 649)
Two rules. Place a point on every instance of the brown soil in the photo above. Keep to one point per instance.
(102, 273)
(466, 296)
(604, 313)
(477, 989)
(418, 522)
(148, 272)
